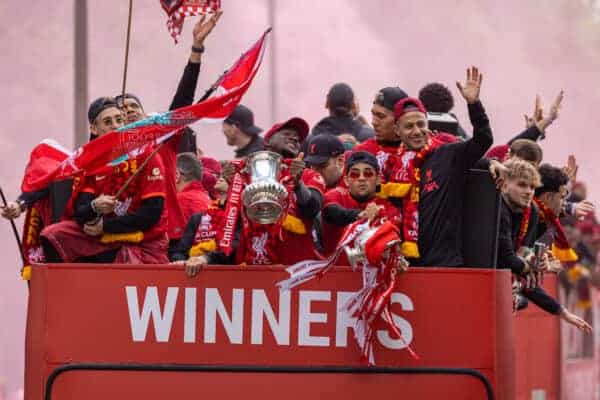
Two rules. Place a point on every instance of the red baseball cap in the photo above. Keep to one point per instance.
(297, 124)
(406, 105)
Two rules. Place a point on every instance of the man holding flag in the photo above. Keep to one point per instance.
(121, 209)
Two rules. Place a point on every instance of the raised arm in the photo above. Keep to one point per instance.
(473, 149)
(186, 90)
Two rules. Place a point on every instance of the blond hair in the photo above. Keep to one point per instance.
(521, 169)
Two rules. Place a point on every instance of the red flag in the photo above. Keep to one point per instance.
(177, 10)
(43, 159)
(135, 138)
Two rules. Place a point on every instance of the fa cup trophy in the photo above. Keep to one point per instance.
(264, 198)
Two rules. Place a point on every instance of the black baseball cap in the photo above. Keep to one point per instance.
(243, 118)
(389, 96)
(120, 98)
(340, 95)
(322, 147)
(99, 105)
(361, 157)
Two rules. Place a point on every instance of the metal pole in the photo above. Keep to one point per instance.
(127, 40)
(273, 86)
(80, 98)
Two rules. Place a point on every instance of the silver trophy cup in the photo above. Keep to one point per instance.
(264, 198)
(357, 255)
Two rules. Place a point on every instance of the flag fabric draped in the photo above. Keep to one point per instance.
(136, 138)
(177, 10)
(43, 159)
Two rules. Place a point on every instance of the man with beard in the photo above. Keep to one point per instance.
(517, 235)
(325, 154)
(184, 96)
(307, 195)
(288, 240)
(433, 177)
(241, 133)
(343, 206)
(386, 141)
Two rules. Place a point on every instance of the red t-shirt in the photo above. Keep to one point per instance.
(192, 200)
(382, 153)
(298, 247)
(148, 183)
(341, 197)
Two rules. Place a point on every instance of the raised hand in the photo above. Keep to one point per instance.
(203, 28)
(583, 209)
(498, 172)
(297, 167)
(538, 119)
(571, 168)
(470, 89)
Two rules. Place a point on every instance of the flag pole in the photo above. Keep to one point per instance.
(126, 64)
(14, 229)
(140, 168)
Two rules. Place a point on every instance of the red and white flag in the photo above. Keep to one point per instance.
(177, 10)
(135, 138)
(43, 160)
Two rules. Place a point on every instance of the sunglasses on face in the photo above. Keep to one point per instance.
(367, 173)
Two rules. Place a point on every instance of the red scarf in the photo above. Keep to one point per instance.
(258, 243)
(372, 302)
(404, 181)
(560, 245)
(524, 228)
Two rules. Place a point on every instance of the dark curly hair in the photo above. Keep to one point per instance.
(436, 98)
(552, 179)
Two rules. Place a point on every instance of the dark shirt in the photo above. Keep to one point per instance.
(181, 250)
(144, 218)
(510, 226)
(184, 96)
(256, 144)
(441, 192)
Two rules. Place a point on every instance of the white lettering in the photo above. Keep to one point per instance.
(151, 310)
(404, 326)
(189, 317)
(343, 320)
(233, 326)
(260, 307)
(305, 318)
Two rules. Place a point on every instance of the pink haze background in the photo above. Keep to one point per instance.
(523, 48)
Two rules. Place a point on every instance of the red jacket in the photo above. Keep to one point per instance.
(192, 200)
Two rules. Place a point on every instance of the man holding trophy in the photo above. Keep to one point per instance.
(271, 203)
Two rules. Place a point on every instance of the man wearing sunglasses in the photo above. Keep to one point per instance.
(343, 206)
